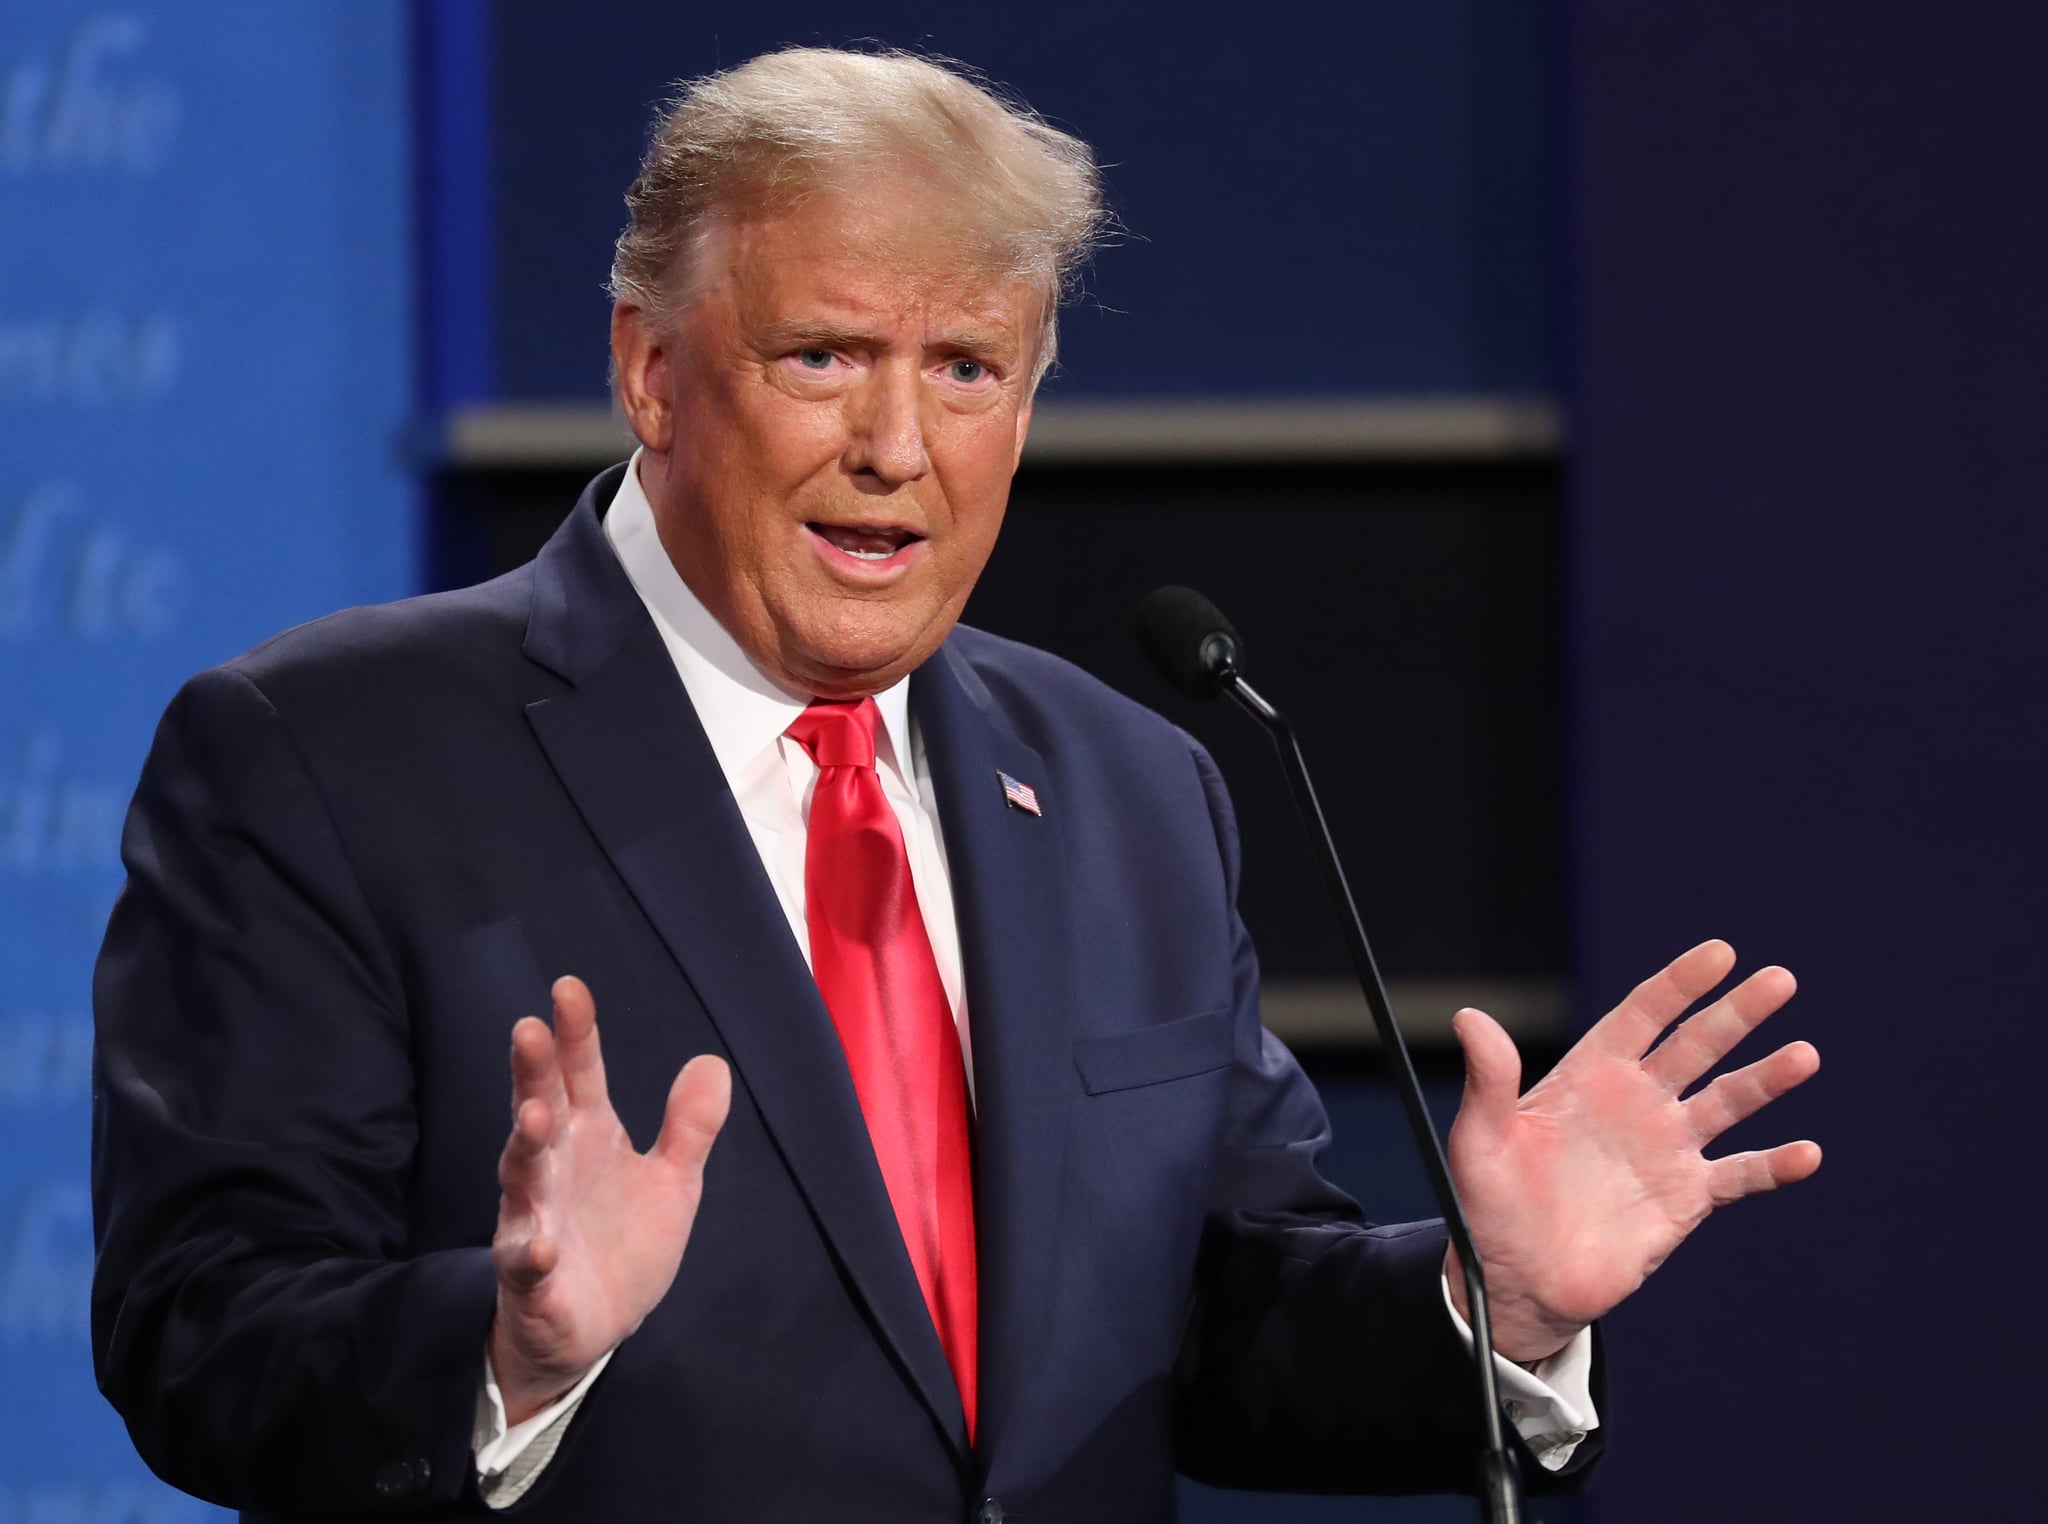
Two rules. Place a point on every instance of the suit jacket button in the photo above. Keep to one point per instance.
(990, 1512)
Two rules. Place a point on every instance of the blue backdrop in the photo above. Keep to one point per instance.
(204, 376)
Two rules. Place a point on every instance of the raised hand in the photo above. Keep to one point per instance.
(590, 1232)
(1576, 1191)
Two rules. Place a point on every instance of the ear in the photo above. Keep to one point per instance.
(642, 359)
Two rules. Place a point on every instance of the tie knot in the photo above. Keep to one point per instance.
(838, 734)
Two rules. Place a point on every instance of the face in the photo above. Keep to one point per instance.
(831, 430)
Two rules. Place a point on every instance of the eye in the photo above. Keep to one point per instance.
(966, 372)
(814, 359)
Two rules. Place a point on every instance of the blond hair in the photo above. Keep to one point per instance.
(761, 136)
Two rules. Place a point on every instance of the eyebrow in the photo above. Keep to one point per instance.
(996, 343)
(824, 333)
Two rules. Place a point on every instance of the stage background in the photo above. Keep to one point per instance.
(1807, 555)
(205, 378)
(1619, 431)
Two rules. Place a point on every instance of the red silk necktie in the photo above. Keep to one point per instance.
(873, 962)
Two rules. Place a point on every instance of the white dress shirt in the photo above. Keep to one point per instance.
(745, 715)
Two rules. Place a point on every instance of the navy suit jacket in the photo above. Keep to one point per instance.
(359, 852)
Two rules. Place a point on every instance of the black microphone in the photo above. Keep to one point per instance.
(1190, 642)
(1195, 649)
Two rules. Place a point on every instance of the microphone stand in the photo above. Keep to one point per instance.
(1499, 1492)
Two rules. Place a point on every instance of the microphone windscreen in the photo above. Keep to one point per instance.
(1176, 626)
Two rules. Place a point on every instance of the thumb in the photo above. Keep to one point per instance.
(697, 1106)
(1493, 1075)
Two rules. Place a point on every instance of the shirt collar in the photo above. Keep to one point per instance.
(743, 710)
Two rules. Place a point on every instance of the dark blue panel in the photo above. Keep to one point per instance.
(1809, 543)
(456, 245)
(1335, 198)
(203, 378)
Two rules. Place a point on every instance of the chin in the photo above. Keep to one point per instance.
(847, 669)
(858, 646)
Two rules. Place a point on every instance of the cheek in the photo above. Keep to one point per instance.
(765, 486)
(763, 442)
(981, 519)
(966, 554)
(975, 472)
(792, 439)
(985, 521)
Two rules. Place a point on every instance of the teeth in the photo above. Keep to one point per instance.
(864, 544)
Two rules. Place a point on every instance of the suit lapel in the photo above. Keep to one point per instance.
(1008, 872)
(628, 748)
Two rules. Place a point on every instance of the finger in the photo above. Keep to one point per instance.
(1710, 1035)
(522, 1253)
(1746, 1091)
(698, 1103)
(1740, 1175)
(522, 1167)
(576, 1037)
(1493, 1076)
(1628, 1030)
(536, 1069)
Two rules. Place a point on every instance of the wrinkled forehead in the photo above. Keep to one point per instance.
(909, 220)
(893, 249)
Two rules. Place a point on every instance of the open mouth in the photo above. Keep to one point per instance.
(865, 542)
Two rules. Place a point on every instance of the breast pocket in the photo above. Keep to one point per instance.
(1172, 1050)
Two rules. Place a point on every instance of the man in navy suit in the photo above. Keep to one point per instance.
(692, 1282)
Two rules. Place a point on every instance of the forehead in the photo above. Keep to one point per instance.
(886, 253)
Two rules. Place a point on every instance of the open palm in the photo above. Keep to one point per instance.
(1576, 1191)
(590, 1231)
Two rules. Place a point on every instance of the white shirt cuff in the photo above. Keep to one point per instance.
(510, 1457)
(1552, 1405)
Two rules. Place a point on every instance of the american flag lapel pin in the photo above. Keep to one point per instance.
(1019, 796)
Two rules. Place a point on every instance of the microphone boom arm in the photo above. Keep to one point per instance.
(1500, 1499)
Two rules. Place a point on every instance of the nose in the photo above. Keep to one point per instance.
(885, 427)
